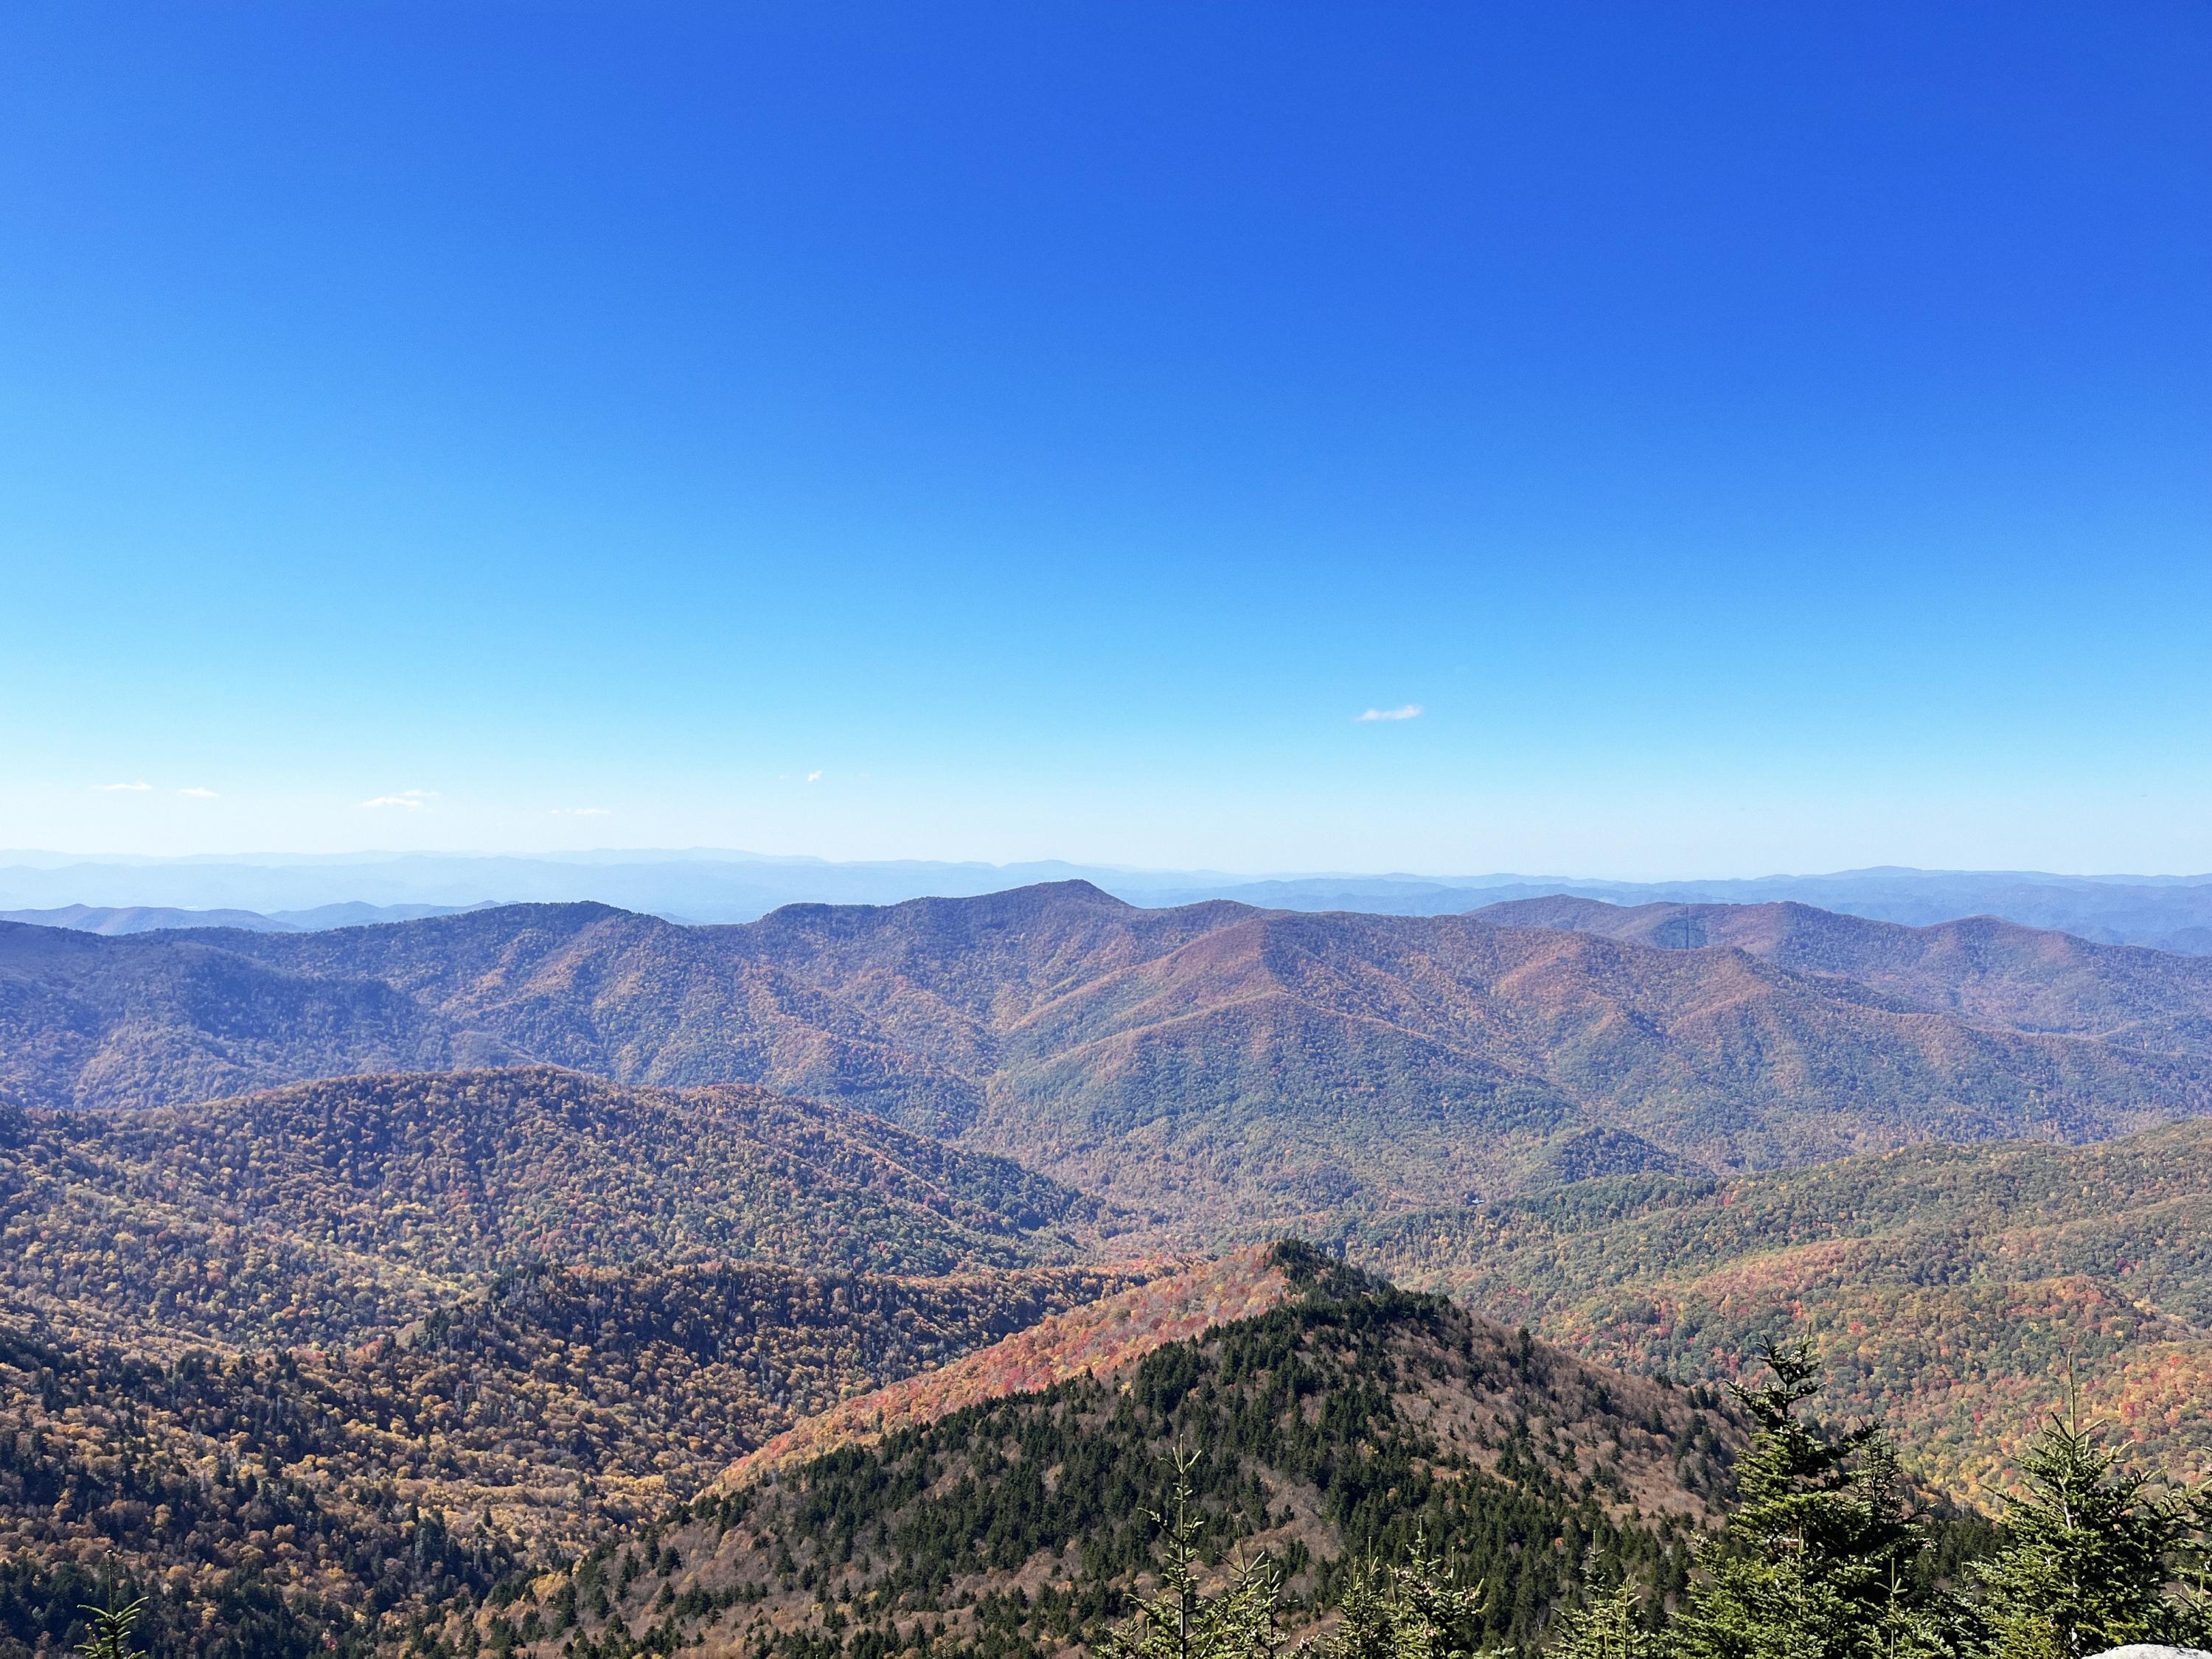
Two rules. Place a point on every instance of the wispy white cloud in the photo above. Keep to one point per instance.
(200, 794)
(412, 799)
(580, 812)
(814, 777)
(1410, 711)
(133, 787)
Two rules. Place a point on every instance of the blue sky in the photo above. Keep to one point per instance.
(1754, 438)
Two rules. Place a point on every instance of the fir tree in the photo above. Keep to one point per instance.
(1605, 1626)
(1815, 1561)
(2091, 1558)
(1181, 1620)
(110, 1631)
(1416, 1609)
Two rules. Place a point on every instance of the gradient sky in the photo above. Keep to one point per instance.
(1754, 437)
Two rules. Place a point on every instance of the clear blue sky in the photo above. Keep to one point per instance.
(1754, 437)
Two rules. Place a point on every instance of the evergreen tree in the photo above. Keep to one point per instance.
(1815, 1561)
(1363, 1622)
(1605, 1626)
(1414, 1610)
(2193, 1591)
(1181, 1620)
(110, 1631)
(2091, 1558)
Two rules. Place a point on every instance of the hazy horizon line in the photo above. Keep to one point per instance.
(52, 858)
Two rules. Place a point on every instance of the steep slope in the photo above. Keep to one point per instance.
(561, 1403)
(325, 1209)
(351, 1347)
(1097, 1339)
(1215, 1072)
(1335, 1426)
(1948, 1285)
(1990, 971)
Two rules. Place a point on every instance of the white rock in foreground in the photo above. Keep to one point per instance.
(2153, 1651)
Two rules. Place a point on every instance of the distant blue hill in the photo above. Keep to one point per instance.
(112, 919)
(287, 893)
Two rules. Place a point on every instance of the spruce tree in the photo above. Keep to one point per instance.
(110, 1631)
(1181, 1620)
(2091, 1558)
(1416, 1609)
(1364, 1624)
(1605, 1626)
(1815, 1561)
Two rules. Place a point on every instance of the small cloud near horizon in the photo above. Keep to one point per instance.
(580, 812)
(1410, 711)
(412, 799)
(109, 788)
(814, 777)
(198, 793)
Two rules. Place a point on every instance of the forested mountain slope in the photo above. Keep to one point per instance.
(1215, 1071)
(445, 1454)
(162, 1018)
(1338, 1425)
(1981, 969)
(315, 1213)
(1096, 1338)
(1947, 1285)
(366, 1343)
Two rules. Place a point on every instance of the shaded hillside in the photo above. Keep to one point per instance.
(1990, 971)
(1947, 1284)
(1338, 1425)
(643, 1000)
(289, 1491)
(316, 1212)
(160, 1018)
(1217, 1071)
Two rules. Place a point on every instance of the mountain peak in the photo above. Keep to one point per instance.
(1099, 1340)
(1334, 1418)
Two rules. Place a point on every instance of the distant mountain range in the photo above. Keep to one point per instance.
(149, 918)
(2169, 913)
(553, 1278)
(2173, 913)
(1210, 1072)
(1984, 970)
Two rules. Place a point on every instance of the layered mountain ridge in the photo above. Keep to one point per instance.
(388, 1262)
(1951, 1289)
(1210, 1070)
(1981, 969)
(362, 1345)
